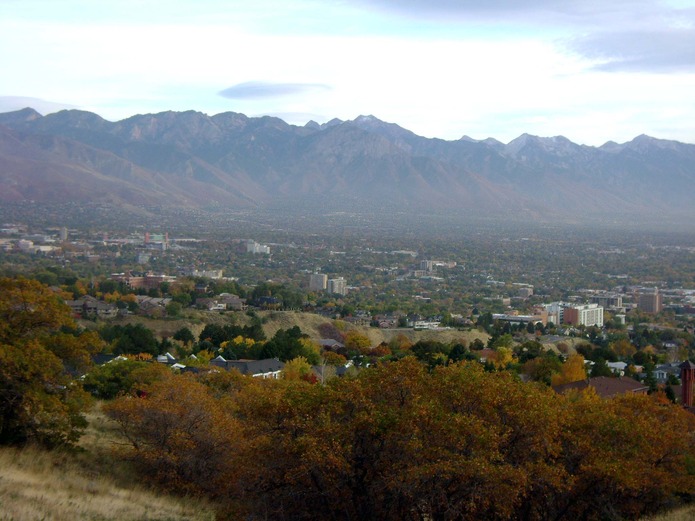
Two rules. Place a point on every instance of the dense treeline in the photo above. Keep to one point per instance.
(401, 442)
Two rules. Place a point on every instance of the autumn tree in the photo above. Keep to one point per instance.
(39, 346)
(356, 341)
(573, 370)
(399, 441)
(181, 433)
(623, 348)
(542, 368)
(296, 369)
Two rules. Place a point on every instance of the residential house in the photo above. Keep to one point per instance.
(88, 306)
(662, 372)
(267, 368)
(605, 386)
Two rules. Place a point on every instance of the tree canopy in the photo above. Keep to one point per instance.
(40, 350)
(399, 441)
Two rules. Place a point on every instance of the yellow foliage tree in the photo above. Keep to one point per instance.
(573, 370)
(356, 340)
(623, 348)
(296, 369)
(502, 357)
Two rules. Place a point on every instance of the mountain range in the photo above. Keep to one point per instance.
(233, 161)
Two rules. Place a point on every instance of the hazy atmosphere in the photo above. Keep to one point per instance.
(591, 71)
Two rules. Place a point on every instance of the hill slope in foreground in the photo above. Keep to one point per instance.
(91, 485)
(87, 485)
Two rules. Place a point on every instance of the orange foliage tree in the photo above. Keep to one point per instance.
(40, 348)
(399, 441)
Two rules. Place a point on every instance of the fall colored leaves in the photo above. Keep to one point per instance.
(401, 442)
(39, 348)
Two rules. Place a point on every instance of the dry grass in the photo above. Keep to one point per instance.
(309, 323)
(681, 514)
(88, 485)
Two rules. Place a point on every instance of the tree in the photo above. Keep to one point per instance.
(573, 370)
(459, 352)
(289, 344)
(184, 335)
(296, 369)
(173, 309)
(501, 358)
(623, 348)
(29, 310)
(356, 341)
(131, 339)
(600, 368)
(400, 442)
(178, 432)
(39, 343)
(109, 380)
(431, 352)
(649, 378)
(542, 368)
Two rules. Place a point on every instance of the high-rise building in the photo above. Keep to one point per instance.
(427, 265)
(555, 312)
(317, 282)
(256, 248)
(337, 286)
(608, 300)
(583, 315)
(650, 301)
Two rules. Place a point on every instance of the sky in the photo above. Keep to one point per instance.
(589, 70)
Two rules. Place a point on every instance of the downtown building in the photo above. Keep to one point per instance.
(337, 286)
(650, 301)
(583, 315)
(318, 282)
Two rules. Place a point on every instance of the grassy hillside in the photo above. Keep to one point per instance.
(87, 485)
(309, 323)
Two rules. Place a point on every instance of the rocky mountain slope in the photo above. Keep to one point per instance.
(230, 160)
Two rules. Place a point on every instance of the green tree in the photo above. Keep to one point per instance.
(109, 380)
(173, 309)
(131, 339)
(600, 368)
(184, 335)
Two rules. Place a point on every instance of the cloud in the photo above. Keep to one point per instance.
(12, 103)
(261, 89)
(659, 51)
(619, 36)
(496, 10)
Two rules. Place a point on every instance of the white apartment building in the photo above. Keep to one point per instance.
(584, 315)
(337, 286)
